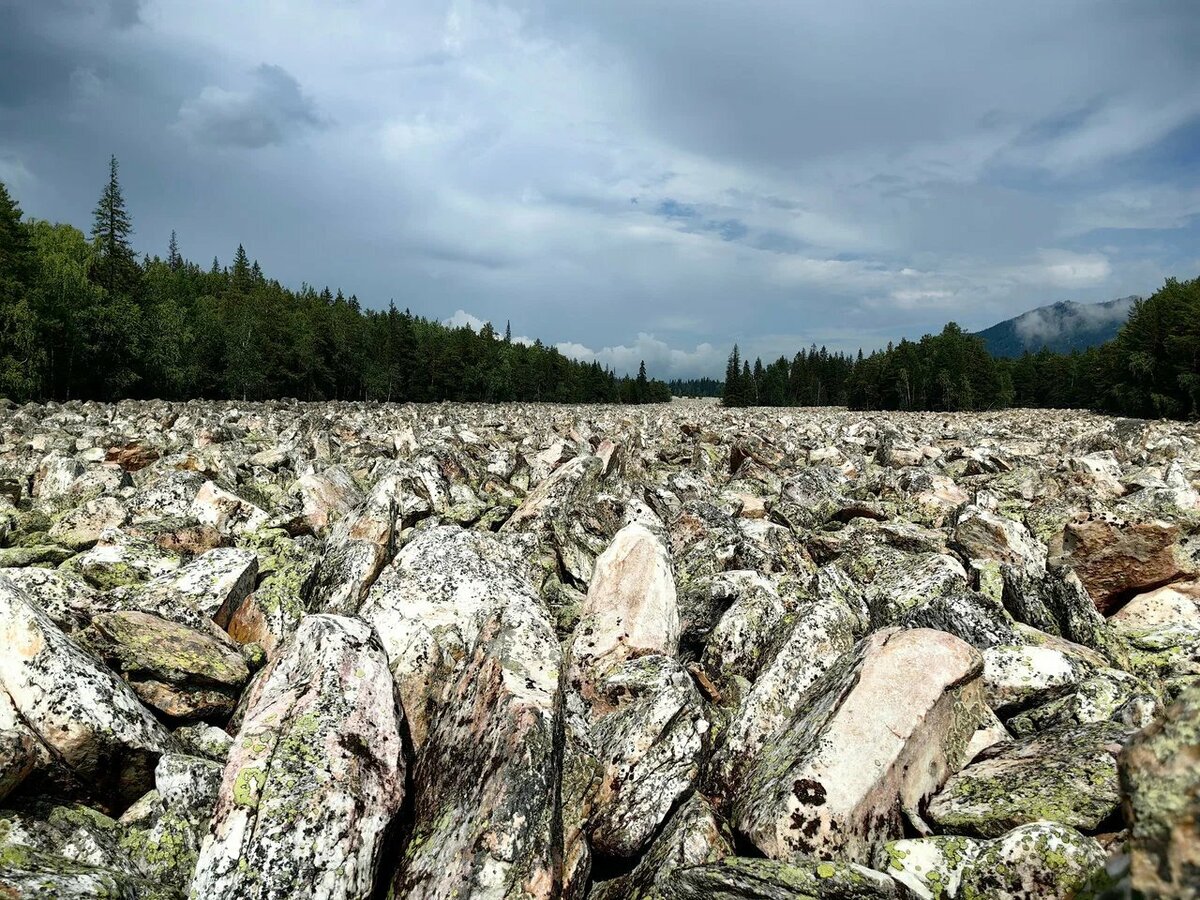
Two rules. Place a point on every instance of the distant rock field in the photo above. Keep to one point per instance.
(257, 651)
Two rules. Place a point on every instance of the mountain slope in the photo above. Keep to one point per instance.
(1062, 327)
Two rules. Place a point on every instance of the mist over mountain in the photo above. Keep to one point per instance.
(1062, 327)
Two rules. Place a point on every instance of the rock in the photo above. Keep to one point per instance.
(736, 878)
(694, 836)
(326, 497)
(82, 526)
(1113, 561)
(743, 640)
(882, 733)
(185, 674)
(67, 599)
(1105, 695)
(21, 753)
(315, 775)
(226, 512)
(1066, 775)
(213, 585)
(976, 618)
(1039, 861)
(487, 774)
(119, 559)
(90, 721)
(648, 730)
(631, 607)
(1055, 603)
(203, 740)
(931, 867)
(430, 604)
(1160, 783)
(270, 614)
(894, 581)
(1021, 676)
(1163, 629)
(358, 548)
(823, 630)
(981, 534)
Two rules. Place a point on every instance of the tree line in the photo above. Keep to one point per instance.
(1150, 369)
(82, 317)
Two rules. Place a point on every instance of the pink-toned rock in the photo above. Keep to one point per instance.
(863, 755)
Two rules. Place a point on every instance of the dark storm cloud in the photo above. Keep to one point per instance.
(266, 109)
(627, 179)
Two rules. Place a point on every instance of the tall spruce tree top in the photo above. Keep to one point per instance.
(174, 259)
(111, 227)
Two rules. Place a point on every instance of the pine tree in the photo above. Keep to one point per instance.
(116, 269)
(642, 385)
(508, 331)
(20, 350)
(733, 395)
(174, 260)
(242, 278)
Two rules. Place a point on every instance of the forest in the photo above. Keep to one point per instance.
(82, 317)
(1151, 369)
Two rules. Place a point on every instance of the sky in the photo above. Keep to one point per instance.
(627, 179)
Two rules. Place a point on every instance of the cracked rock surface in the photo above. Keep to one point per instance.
(359, 651)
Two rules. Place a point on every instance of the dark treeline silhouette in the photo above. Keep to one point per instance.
(1150, 369)
(84, 318)
(815, 378)
(696, 387)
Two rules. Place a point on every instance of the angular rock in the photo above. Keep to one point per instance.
(82, 526)
(736, 878)
(488, 772)
(1160, 783)
(887, 727)
(183, 673)
(326, 497)
(931, 867)
(430, 604)
(1066, 775)
(226, 512)
(89, 720)
(1114, 561)
(694, 836)
(315, 775)
(213, 585)
(1039, 861)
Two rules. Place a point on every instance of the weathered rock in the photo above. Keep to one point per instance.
(213, 586)
(89, 720)
(430, 604)
(181, 672)
(976, 618)
(487, 775)
(226, 512)
(82, 526)
(743, 640)
(326, 497)
(694, 836)
(981, 534)
(1160, 781)
(1067, 775)
(67, 599)
(931, 867)
(1114, 561)
(270, 614)
(879, 736)
(1020, 676)
(119, 559)
(736, 878)
(823, 630)
(1039, 861)
(649, 731)
(315, 775)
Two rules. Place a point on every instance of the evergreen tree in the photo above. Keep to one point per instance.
(116, 268)
(20, 349)
(174, 259)
(734, 393)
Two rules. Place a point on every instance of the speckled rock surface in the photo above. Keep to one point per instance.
(315, 775)
(604, 651)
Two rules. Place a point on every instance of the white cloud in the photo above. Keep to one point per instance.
(662, 361)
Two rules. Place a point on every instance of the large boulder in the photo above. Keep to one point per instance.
(1066, 775)
(878, 736)
(487, 774)
(315, 775)
(1114, 561)
(738, 878)
(1038, 861)
(1160, 780)
(90, 721)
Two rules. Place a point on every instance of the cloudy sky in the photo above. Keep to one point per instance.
(633, 178)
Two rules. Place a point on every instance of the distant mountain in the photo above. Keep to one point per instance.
(1063, 327)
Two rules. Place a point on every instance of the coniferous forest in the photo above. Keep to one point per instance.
(1151, 369)
(82, 317)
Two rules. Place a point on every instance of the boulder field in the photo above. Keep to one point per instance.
(340, 651)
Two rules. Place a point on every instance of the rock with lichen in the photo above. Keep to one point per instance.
(315, 774)
(1037, 861)
(879, 735)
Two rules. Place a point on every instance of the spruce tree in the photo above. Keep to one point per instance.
(733, 380)
(20, 350)
(174, 260)
(116, 269)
